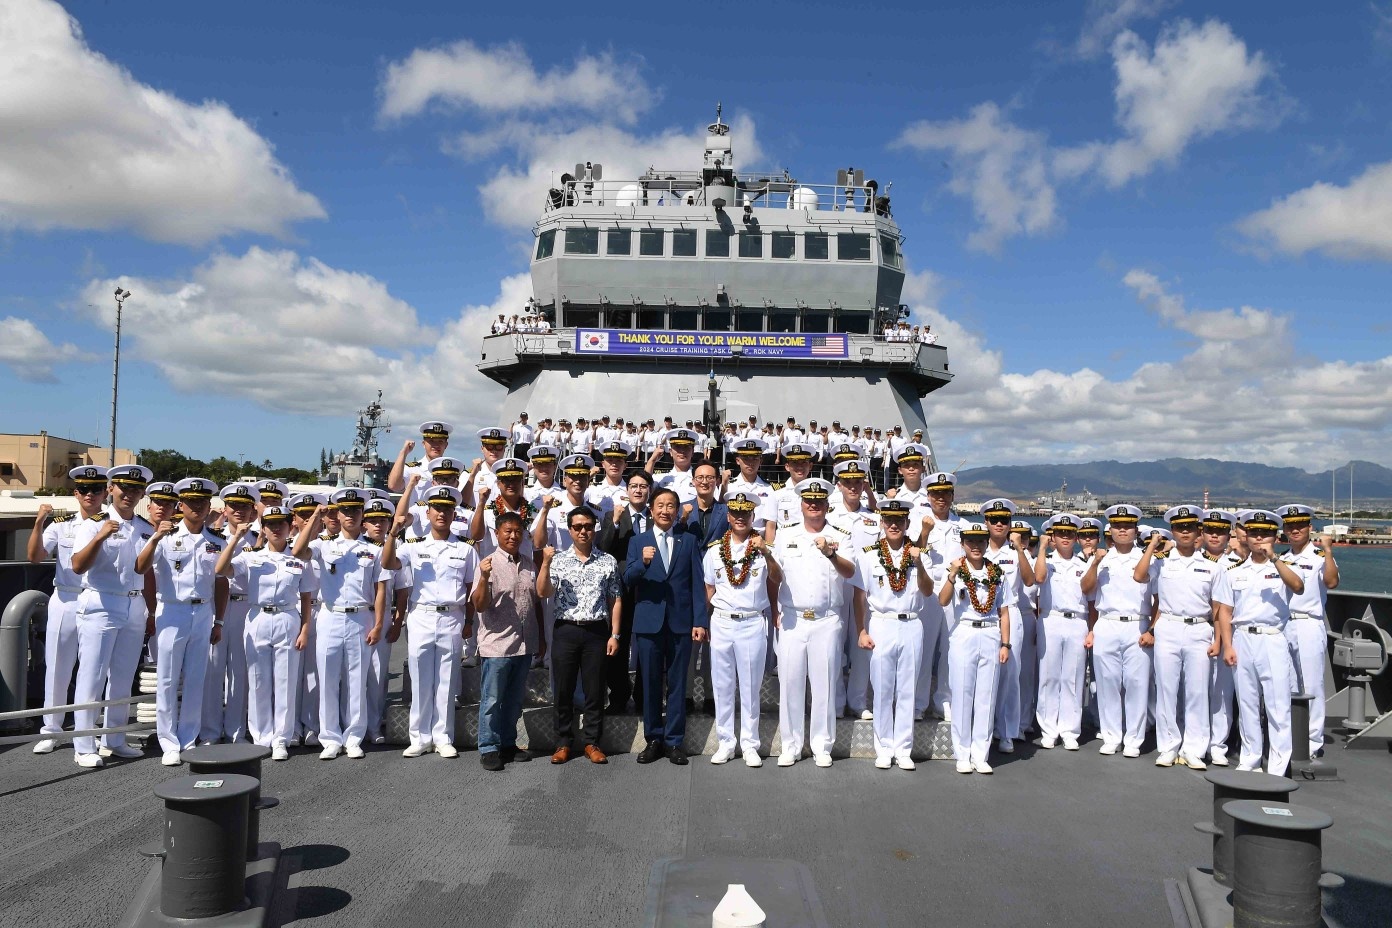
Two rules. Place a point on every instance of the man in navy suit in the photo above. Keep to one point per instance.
(663, 570)
(706, 518)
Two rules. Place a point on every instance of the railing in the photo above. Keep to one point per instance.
(686, 188)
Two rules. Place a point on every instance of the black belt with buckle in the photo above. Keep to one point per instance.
(349, 610)
(237, 597)
(740, 616)
(1125, 618)
(1192, 620)
(1070, 615)
(269, 609)
(437, 607)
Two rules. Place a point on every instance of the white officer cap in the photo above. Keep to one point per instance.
(492, 436)
(240, 493)
(271, 489)
(846, 451)
(1219, 518)
(1020, 525)
(443, 496)
(88, 475)
(196, 488)
(162, 490)
(349, 498)
(378, 493)
(852, 469)
(1089, 525)
(445, 466)
(754, 446)
(305, 503)
(543, 454)
(575, 464)
(976, 531)
(274, 514)
(1064, 520)
(616, 449)
(379, 508)
(509, 467)
(131, 475)
(1151, 530)
(938, 481)
(913, 453)
(997, 507)
(813, 488)
(1184, 514)
(1123, 515)
(436, 429)
(796, 451)
(681, 437)
(1261, 519)
(894, 508)
(1295, 514)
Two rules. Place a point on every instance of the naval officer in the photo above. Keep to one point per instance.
(1007, 551)
(1308, 631)
(1253, 600)
(739, 569)
(543, 460)
(436, 435)
(192, 599)
(797, 461)
(681, 444)
(1184, 641)
(1218, 541)
(862, 527)
(940, 536)
(1062, 631)
(225, 679)
(483, 473)
(749, 454)
(378, 515)
(891, 586)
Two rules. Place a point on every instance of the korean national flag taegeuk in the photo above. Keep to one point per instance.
(591, 340)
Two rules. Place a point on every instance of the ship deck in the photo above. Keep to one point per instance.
(1053, 838)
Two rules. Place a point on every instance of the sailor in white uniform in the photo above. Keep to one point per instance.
(443, 567)
(940, 536)
(738, 568)
(482, 474)
(543, 459)
(225, 679)
(1120, 638)
(797, 461)
(1007, 552)
(1218, 525)
(862, 528)
(681, 444)
(53, 537)
(302, 509)
(1253, 608)
(444, 472)
(1062, 631)
(435, 434)
(349, 621)
(808, 618)
(749, 453)
(1308, 630)
(110, 614)
(279, 589)
(613, 458)
(378, 516)
(1027, 633)
(1185, 644)
(191, 602)
(891, 588)
(1089, 537)
(980, 601)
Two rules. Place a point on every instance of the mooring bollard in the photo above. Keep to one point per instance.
(205, 844)
(1277, 866)
(1300, 725)
(1227, 786)
(239, 758)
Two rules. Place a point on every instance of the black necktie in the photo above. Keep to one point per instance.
(638, 524)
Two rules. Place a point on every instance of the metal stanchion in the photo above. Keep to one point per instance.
(238, 758)
(1227, 786)
(1302, 766)
(1277, 859)
(14, 652)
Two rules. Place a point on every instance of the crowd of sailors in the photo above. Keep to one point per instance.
(624, 580)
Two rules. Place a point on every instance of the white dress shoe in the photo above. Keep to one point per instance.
(1242, 769)
(905, 763)
(124, 750)
(171, 759)
(446, 750)
(723, 755)
(88, 760)
(1070, 743)
(787, 759)
(964, 766)
(752, 758)
(884, 763)
(980, 766)
(1107, 748)
(1217, 759)
(280, 752)
(1166, 759)
(1006, 746)
(45, 746)
(946, 713)
(330, 752)
(1193, 763)
(415, 750)
(866, 715)
(1048, 743)
(822, 760)
(1130, 752)
(354, 751)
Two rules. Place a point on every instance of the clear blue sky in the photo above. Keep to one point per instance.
(1143, 228)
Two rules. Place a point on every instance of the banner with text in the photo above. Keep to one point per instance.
(710, 344)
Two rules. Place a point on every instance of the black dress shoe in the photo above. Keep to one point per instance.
(677, 755)
(491, 761)
(651, 753)
(515, 755)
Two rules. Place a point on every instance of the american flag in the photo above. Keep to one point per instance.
(828, 346)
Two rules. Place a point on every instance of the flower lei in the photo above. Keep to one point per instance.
(994, 577)
(527, 512)
(898, 576)
(750, 553)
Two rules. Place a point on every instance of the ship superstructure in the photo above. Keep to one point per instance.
(777, 289)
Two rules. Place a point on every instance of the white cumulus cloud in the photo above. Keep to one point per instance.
(1105, 19)
(85, 145)
(1353, 221)
(29, 353)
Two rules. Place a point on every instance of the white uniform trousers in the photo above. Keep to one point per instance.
(1221, 692)
(341, 654)
(273, 675)
(1062, 665)
(1263, 676)
(1309, 647)
(435, 640)
(1182, 669)
(1008, 693)
(809, 655)
(102, 620)
(182, 633)
(936, 642)
(120, 678)
(738, 651)
(852, 690)
(225, 683)
(378, 677)
(60, 655)
(1024, 635)
(972, 670)
(1122, 669)
(308, 702)
(893, 665)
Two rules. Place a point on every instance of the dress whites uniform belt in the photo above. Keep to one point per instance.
(1187, 619)
(1254, 629)
(740, 616)
(813, 615)
(64, 588)
(901, 616)
(236, 597)
(182, 602)
(979, 623)
(439, 607)
(1306, 615)
(277, 607)
(1068, 614)
(349, 610)
(1121, 618)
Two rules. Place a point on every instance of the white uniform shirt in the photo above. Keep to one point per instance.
(58, 542)
(484, 479)
(581, 441)
(184, 564)
(1185, 584)
(421, 467)
(1308, 566)
(536, 493)
(272, 579)
(961, 609)
(235, 585)
(442, 572)
(596, 494)
(917, 497)
(420, 523)
(810, 581)
(767, 510)
(788, 505)
(348, 571)
(1062, 589)
(1008, 559)
(871, 576)
(862, 526)
(1256, 593)
(944, 539)
(557, 529)
(548, 436)
(679, 480)
(522, 433)
(1117, 593)
(750, 596)
(113, 569)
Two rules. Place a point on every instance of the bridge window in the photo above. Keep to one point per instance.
(546, 244)
(784, 244)
(751, 245)
(717, 320)
(620, 242)
(579, 241)
(855, 323)
(852, 247)
(650, 243)
(620, 318)
(582, 317)
(815, 247)
(889, 251)
(652, 319)
(816, 322)
(684, 243)
(749, 320)
(685, 319)
(717, 243)
(783, 322)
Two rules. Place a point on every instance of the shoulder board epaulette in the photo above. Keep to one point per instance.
(1161, 554)
(415, 463)
(1238, 564)
(1321, 552)
(1210, 557)
(713, 544)
(868, 548)
(464, 538)
(375, 544)
(413, 539)
(843, 531)
(63, 517)
(218, 532)
(99, 517)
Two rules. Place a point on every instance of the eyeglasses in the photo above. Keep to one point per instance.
(88, 491)
(583, 527)
(994, 520)
(704, 477)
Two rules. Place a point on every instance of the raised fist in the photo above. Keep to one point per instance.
(45, 510)
(547, 553)
(408, 446)
(165, 528)
(928, 523)
(483, 496)
(473, 468)
(486, 567)
(649, 553)
(686, 512)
